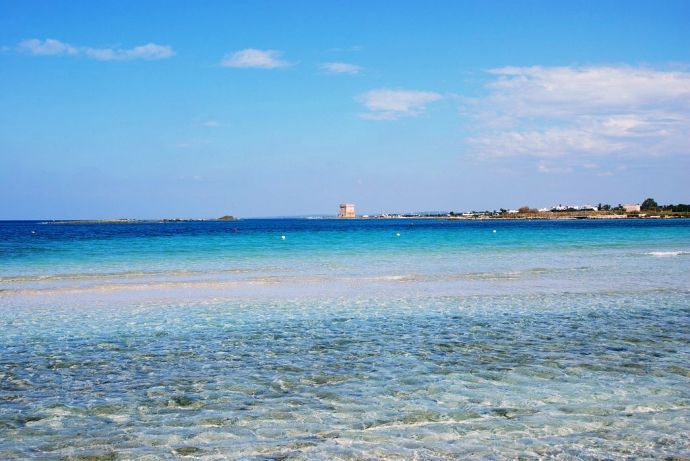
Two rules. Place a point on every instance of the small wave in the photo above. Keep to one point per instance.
(666, 254)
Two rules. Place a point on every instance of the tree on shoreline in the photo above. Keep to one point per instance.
(649, 204)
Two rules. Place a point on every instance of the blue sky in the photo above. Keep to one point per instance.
(198, 109)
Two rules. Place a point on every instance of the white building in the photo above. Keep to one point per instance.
(631, 208)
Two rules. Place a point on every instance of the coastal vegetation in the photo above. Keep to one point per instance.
(648, 209)
(651, 205)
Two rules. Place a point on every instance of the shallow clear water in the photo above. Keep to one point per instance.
(562, 340)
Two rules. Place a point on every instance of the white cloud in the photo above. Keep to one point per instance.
(572, 90)
(52, 47)
(150, 51)
(340, 68)
(386, 104)
(548, 142)
(581, 111)
(213, 124)
(47, 47)
(253, 58)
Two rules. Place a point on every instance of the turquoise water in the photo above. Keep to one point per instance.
(399, 339)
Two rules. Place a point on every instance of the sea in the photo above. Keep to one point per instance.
(326, 339)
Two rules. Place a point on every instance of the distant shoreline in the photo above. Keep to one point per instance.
(511, 218)
(502, 217)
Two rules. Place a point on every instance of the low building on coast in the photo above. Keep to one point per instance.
(631, 208)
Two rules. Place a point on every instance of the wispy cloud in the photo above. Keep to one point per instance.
(387, 104)
(340, 68)
(52, 47)
(150, 51)
(47, 47)
(212, 124)
(567, 112)
(252, 58)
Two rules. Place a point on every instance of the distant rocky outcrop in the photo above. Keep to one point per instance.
(227, 217)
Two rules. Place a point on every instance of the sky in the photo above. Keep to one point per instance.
(130, 109)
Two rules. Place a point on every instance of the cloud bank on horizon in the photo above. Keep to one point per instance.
(553, 112)
(563, 114)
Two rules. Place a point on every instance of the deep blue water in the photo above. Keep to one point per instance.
(346, 339)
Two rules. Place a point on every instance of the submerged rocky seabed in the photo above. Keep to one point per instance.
(586, 376)
(345, 340)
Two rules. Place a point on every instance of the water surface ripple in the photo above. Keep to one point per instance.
(487, 352)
